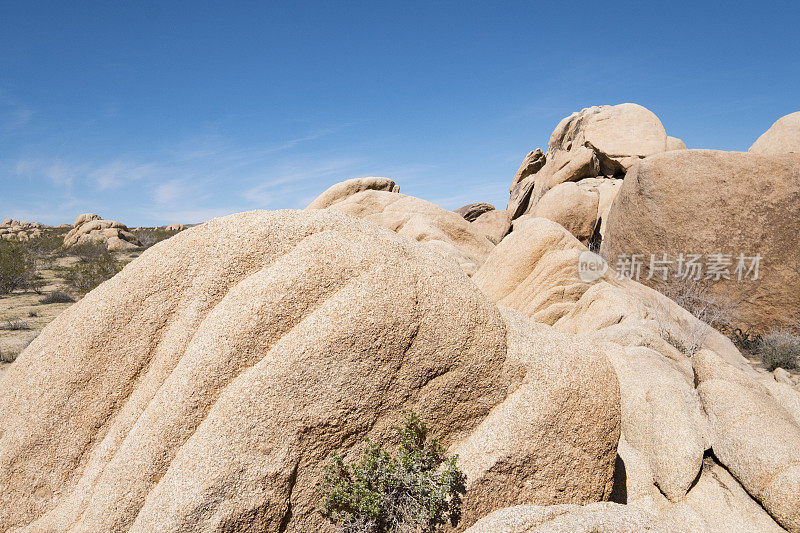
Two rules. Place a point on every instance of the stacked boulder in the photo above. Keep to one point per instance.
(91, 228)
(175, 227)
(493, 223)
(206, 385)
(15, 230)
(707, 444)
(574, 183)
(470, 212)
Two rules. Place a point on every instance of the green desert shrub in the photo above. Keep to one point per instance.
(46, 246)
(91, 271)
(417, 490)
(17, 268)
(780, 349)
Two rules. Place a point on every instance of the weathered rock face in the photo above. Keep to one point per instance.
(494, 224)
(673, 143)
(783, 137)
(678, 435)
(342, 190)
(15, 230)
(472, 211)
(596, 142)
(704, 202)
(755, 436)
(606, 517)
(204, 387)
(419, 220)
(518, 451)
(582, 207)
(532, 164)
(619, 131)
(90, 228)
(175, 227)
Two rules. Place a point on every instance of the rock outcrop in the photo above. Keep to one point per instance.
(781, 138)
(756, 437)
(598, 143)
(675, 452)
(472, 211)
(175, 227)
(91, 228)
(15, 230)
(606, 517)
(494, 224)
(673, 143)
(442, 230)
(340, 191)
(704, 202)
(205, 386)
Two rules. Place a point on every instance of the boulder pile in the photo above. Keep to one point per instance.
(674, 462)
(575, 181)
(205, 386)
(235, 357)
(91, 228)
(14, 230)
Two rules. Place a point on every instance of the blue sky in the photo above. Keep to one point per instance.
(160, 112)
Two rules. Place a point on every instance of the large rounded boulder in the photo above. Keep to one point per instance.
(738, 213)
(340, 191)
(444, 231)
(781, 138)
(205, 386)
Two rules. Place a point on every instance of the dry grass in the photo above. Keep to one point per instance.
(14, 324)
(57, 297)
(695, 296)
(780, 349)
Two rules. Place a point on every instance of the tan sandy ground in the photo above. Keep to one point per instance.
(26, 306)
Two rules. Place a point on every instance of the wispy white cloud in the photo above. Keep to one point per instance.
(58, 172)
(290, 177)
(119, 172)
(18, 118)
(196, 177)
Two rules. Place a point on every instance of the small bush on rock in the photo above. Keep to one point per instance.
(780, 349)
(695, 296)
(417, 490)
